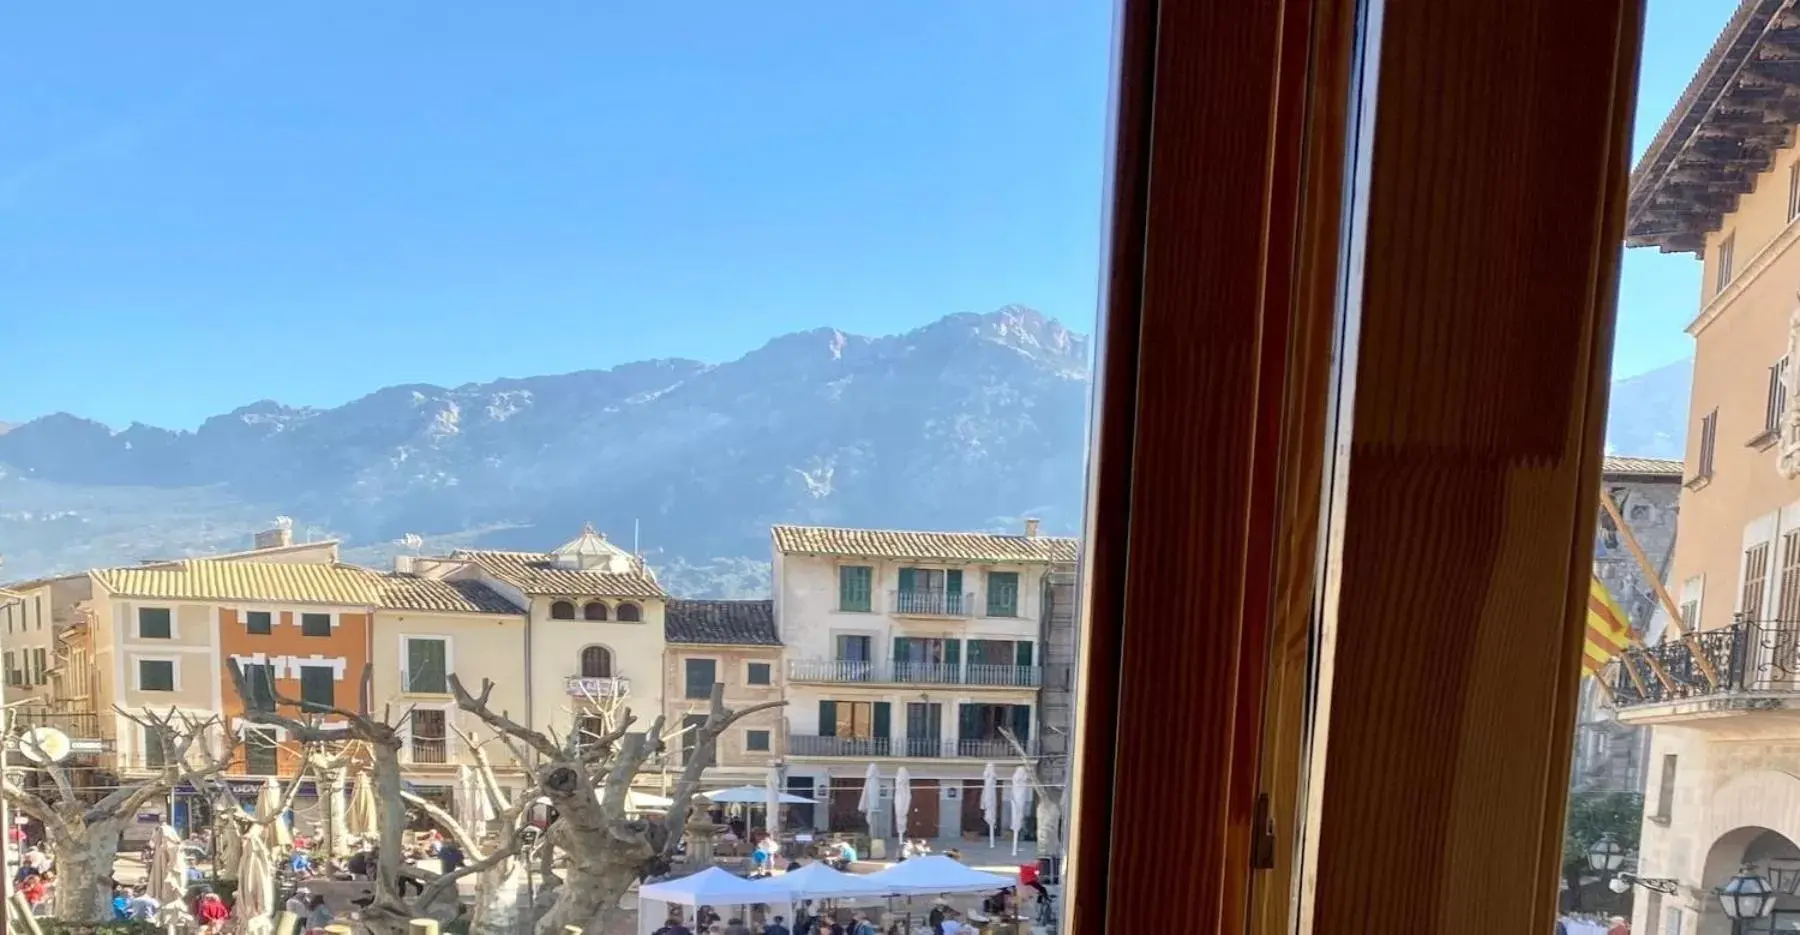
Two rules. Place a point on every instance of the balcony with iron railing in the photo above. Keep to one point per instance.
(600, 687)
(929, 602)
(1750, 666)
(979, 675)
(980, 748)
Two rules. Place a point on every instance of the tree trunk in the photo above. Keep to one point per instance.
(84, 866)
(331, 781)
(502, 901)
(393, 821)
(1049, 827)
(602, 865)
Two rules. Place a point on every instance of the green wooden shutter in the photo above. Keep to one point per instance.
(1021, 723)
(899, 650)
(953, 581)
(854, 582)
(1024, 652)
(1003, 594)
(906, 579)
(953, 653)
(827, 719)
(884, 720)
(966, 728)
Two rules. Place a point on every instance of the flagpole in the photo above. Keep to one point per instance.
(1662, 593)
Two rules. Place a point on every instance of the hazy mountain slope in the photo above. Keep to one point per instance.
(1648, 413)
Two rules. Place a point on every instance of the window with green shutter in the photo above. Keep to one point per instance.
(856, 588)
(1003, 594)
(259, 687)
(154, 623)
(156, 675)
(701, 675)
(426, 667)
(318, 688)
(827, 719)
(260, 752)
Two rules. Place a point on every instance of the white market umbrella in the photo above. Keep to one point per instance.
(902, 801)
(772, 808)
(363, 819)
(268, 813)
(476, 810)
(753, 795)
(990, 800)
(1018, 795)
(709, 887)
(167, 879)
(871, 797)
(256, 888)
(228, 842)
(819, 880)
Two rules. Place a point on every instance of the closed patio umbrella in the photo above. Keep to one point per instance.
(166, 881)
(990, 800)
(902, 801)
(1019, 797)
(871, 798)
(256, 888)
(363, 820)
(268, 812)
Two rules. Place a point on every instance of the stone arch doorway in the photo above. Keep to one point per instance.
(1759, 846)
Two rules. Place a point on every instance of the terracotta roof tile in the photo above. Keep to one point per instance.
(924, 546)
(209, 580)
(743, 623)
(1657, 467)
(533, 573)
(411, 592)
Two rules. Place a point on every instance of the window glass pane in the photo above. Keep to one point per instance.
(759, 673)
(261, 752)
(855, 588)
(701, 675)
(315, 624)
(318, 686)
(756, 741)
(156, 675)
(425, 666)
(153, 623)
(259, 686)
(259, 622)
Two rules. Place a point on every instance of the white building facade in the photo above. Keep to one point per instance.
(909, 649)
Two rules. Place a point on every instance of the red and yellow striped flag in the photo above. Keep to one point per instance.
(1608, 629)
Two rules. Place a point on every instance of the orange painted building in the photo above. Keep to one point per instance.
(312, 652)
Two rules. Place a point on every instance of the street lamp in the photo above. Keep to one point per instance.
(1606, 855)
(1746, 896)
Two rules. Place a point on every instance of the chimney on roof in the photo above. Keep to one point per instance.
(1031, 527)
(277, 538)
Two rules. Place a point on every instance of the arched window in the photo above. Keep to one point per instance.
(596, 663)
(562, 610)
(594, 610)
(629, 613)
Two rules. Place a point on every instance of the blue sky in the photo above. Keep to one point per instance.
(203, 204)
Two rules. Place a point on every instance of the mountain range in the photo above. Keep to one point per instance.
(970, 422)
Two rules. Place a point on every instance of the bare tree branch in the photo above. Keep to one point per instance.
(448, 822)
(718, 719)
(446, 880)
(129, 799)
(500, 722)
(35, 807)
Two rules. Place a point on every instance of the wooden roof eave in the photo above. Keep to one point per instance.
(1736, 112)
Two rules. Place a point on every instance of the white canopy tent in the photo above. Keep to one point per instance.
(926, 876)
(710, 887)
(819, 880)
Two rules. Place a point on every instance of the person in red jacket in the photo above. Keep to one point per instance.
(211, 911)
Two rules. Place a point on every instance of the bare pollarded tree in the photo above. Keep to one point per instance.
(588, 777)
(85, 836)
(389, 912)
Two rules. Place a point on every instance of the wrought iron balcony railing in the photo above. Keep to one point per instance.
(579, 686)
(913, 673)
(1747, 656)
(925, 602)
(933, 747)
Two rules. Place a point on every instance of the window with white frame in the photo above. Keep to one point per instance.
(427, 665)
(155, 623)
(156, 675)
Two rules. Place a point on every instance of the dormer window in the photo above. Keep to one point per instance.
(593, 610)
(562, 610)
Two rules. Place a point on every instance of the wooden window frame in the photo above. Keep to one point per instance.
(1723, 262)
(1306, 303)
